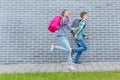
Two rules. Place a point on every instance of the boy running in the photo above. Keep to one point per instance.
(79, 37)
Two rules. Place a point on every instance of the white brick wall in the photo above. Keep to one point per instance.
(24, 37)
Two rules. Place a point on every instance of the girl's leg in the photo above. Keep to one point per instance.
(60, 47)
(65, 46)
(65, 43)
(61, 41)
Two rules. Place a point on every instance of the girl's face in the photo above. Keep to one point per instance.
(67, 14)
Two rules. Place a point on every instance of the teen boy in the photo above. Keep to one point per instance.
(79, 37)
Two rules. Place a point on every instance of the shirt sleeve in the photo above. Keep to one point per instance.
(81, 25)
(69, 27)
(65, 22)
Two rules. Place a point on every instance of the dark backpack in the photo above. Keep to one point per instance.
(75, 24)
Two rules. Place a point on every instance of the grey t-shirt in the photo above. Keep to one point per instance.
(62, 29)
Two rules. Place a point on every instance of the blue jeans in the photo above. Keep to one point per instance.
(64, 46)
(82, 46)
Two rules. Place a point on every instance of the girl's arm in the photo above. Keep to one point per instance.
(66, 23)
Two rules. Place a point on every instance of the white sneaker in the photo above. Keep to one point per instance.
(52, 47)
(71, 67)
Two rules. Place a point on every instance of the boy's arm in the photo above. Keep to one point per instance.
(81, 25)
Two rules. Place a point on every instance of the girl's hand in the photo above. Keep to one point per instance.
(75, 29)
(87, 38)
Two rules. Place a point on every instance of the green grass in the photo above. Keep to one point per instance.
(62, 76)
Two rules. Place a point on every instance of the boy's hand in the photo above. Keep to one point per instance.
(87, 38)
(78, 28)
(75, 36)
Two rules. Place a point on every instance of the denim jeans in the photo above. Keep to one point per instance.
(64, 46)
(82, 46)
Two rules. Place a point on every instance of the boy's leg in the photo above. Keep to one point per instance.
(77, 58)
(83, 46)
(78, 55)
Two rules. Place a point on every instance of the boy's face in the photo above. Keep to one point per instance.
(85, 17)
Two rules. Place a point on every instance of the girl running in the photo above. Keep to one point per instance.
(62, 38)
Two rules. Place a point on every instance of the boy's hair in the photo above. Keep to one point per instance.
(82, 14)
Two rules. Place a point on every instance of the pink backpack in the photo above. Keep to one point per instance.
(54, 24)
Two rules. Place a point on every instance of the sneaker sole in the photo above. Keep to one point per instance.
(70, 68)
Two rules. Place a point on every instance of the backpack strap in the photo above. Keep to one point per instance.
(80, 29)
(62, 22)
